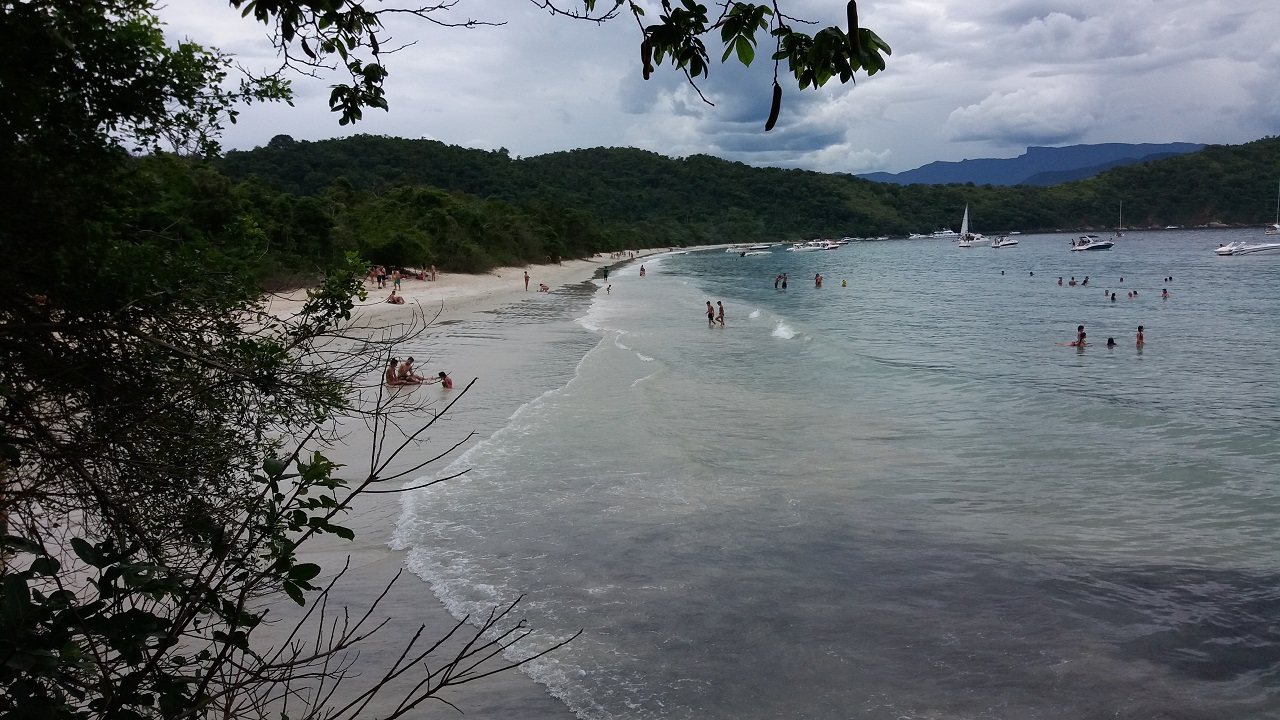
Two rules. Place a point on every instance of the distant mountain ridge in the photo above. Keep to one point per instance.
(1038, 165)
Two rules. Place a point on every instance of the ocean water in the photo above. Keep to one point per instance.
(900, 498)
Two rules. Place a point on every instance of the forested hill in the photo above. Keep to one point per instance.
(705, 199)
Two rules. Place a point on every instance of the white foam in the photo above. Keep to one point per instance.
(754, 314)
(643, 357)
(783, 330)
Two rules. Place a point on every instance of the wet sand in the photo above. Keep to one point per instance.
(373, 564)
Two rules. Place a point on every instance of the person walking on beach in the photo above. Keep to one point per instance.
(1140, 340)
(395, 278)
(606, 273)
(720, 315)
(433, 272)
(526, 281)
(711, 314)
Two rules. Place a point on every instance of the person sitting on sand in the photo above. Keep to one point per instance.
(391, 376)
(407, 375)
(395, 299)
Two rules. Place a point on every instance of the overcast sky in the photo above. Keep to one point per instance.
(966, 80)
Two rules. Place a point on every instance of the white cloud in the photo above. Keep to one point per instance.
(1055, 114)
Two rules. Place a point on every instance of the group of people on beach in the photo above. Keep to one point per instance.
(402, 373)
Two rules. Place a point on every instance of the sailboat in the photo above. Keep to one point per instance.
(966, 238)
(1275, 228)
(1120, 227)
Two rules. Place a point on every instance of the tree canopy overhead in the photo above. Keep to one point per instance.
(315, 35)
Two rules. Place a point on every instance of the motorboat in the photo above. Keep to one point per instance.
(945, 234)
(1003, 241)
(1091, 242)
(1246, 248)
(813, 245)
(754, 253)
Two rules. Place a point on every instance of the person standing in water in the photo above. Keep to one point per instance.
(777, 279)
(784, 281)
(817, 280)
(711, 314)
(1141, 342)
(720, 314)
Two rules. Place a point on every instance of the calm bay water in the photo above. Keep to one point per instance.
(896, 499)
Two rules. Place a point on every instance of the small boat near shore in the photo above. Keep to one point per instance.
(1246, 248)
(1091, 242)
(1003, 241)
(754, 253)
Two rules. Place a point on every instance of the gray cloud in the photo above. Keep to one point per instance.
(964, 81)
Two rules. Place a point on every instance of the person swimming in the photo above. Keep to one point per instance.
(1111, 342)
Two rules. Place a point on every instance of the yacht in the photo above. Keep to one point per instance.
(1246, 248)
(1003, 241)
(1091, 242)
(944, 234)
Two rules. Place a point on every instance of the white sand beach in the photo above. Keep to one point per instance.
(373, 563)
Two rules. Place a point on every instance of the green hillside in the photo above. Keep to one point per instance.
(412, 201)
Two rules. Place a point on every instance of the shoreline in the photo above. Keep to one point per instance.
(410, 605)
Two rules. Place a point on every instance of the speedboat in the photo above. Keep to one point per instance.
(754, 253)
(806, 247)
(813, 245)
(1091, 242)
(1246, 248)
(1003, 241)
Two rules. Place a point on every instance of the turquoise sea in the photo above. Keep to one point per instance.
(903, 498)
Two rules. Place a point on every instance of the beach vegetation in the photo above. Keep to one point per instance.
(159, 424)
